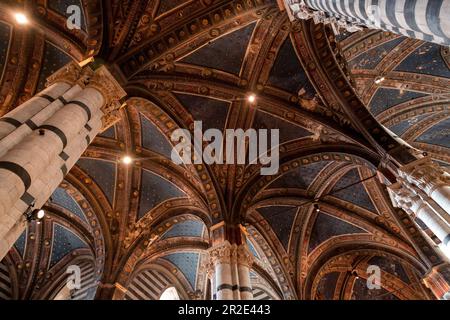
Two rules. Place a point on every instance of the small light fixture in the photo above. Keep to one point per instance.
(251, 98)
(379, 80)
(21, 18)
(40, 214)
(127, 160)
(35, 215)
(316, 207)
(355, 274)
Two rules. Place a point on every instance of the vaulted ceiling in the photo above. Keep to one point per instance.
(185, 61)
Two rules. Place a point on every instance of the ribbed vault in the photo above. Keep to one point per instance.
(146, 226)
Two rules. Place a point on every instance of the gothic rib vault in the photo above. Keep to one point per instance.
(137, 230)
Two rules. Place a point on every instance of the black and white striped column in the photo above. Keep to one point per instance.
(47, 140)
(407, 199)
(427, 20)
(230, 263)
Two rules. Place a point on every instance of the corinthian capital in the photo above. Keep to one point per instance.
(101, 80)
(425, 174)
(112, 92)
(221, 254)
(297, 9)
(400, 196)
(244, 256)
(71, 74)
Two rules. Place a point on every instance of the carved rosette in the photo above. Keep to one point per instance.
(424, 174)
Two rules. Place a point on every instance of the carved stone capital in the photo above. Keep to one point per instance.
(231, 254)
(424, 174)
(71, 74)
(112, 92)
(221, 254)
(244, 256)
(101, 80)
(298, 9)
(404, 198)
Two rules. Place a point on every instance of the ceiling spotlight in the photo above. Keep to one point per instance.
(127, 160)
(35, 215)
(379, 80)
(21, 18)
(355, 274)
(40, 214)
(251, 98)
(316, 207)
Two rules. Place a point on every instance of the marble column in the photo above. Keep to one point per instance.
(42, 139)
(221, 264)
(419, 19)
(244, 264)
(231, 262)
(426, 175)
(415, 205)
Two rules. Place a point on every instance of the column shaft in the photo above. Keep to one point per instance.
(428, 177)
(14, 119)
(231, 264)
(419, 19)
(223, 276)
(405, 198)
(51, 136)
(438, 226)
(245, 283)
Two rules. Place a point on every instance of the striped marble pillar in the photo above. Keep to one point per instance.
(406, 199)
(427, 176)
(426, 20)
(42, 140)
(231, 261)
